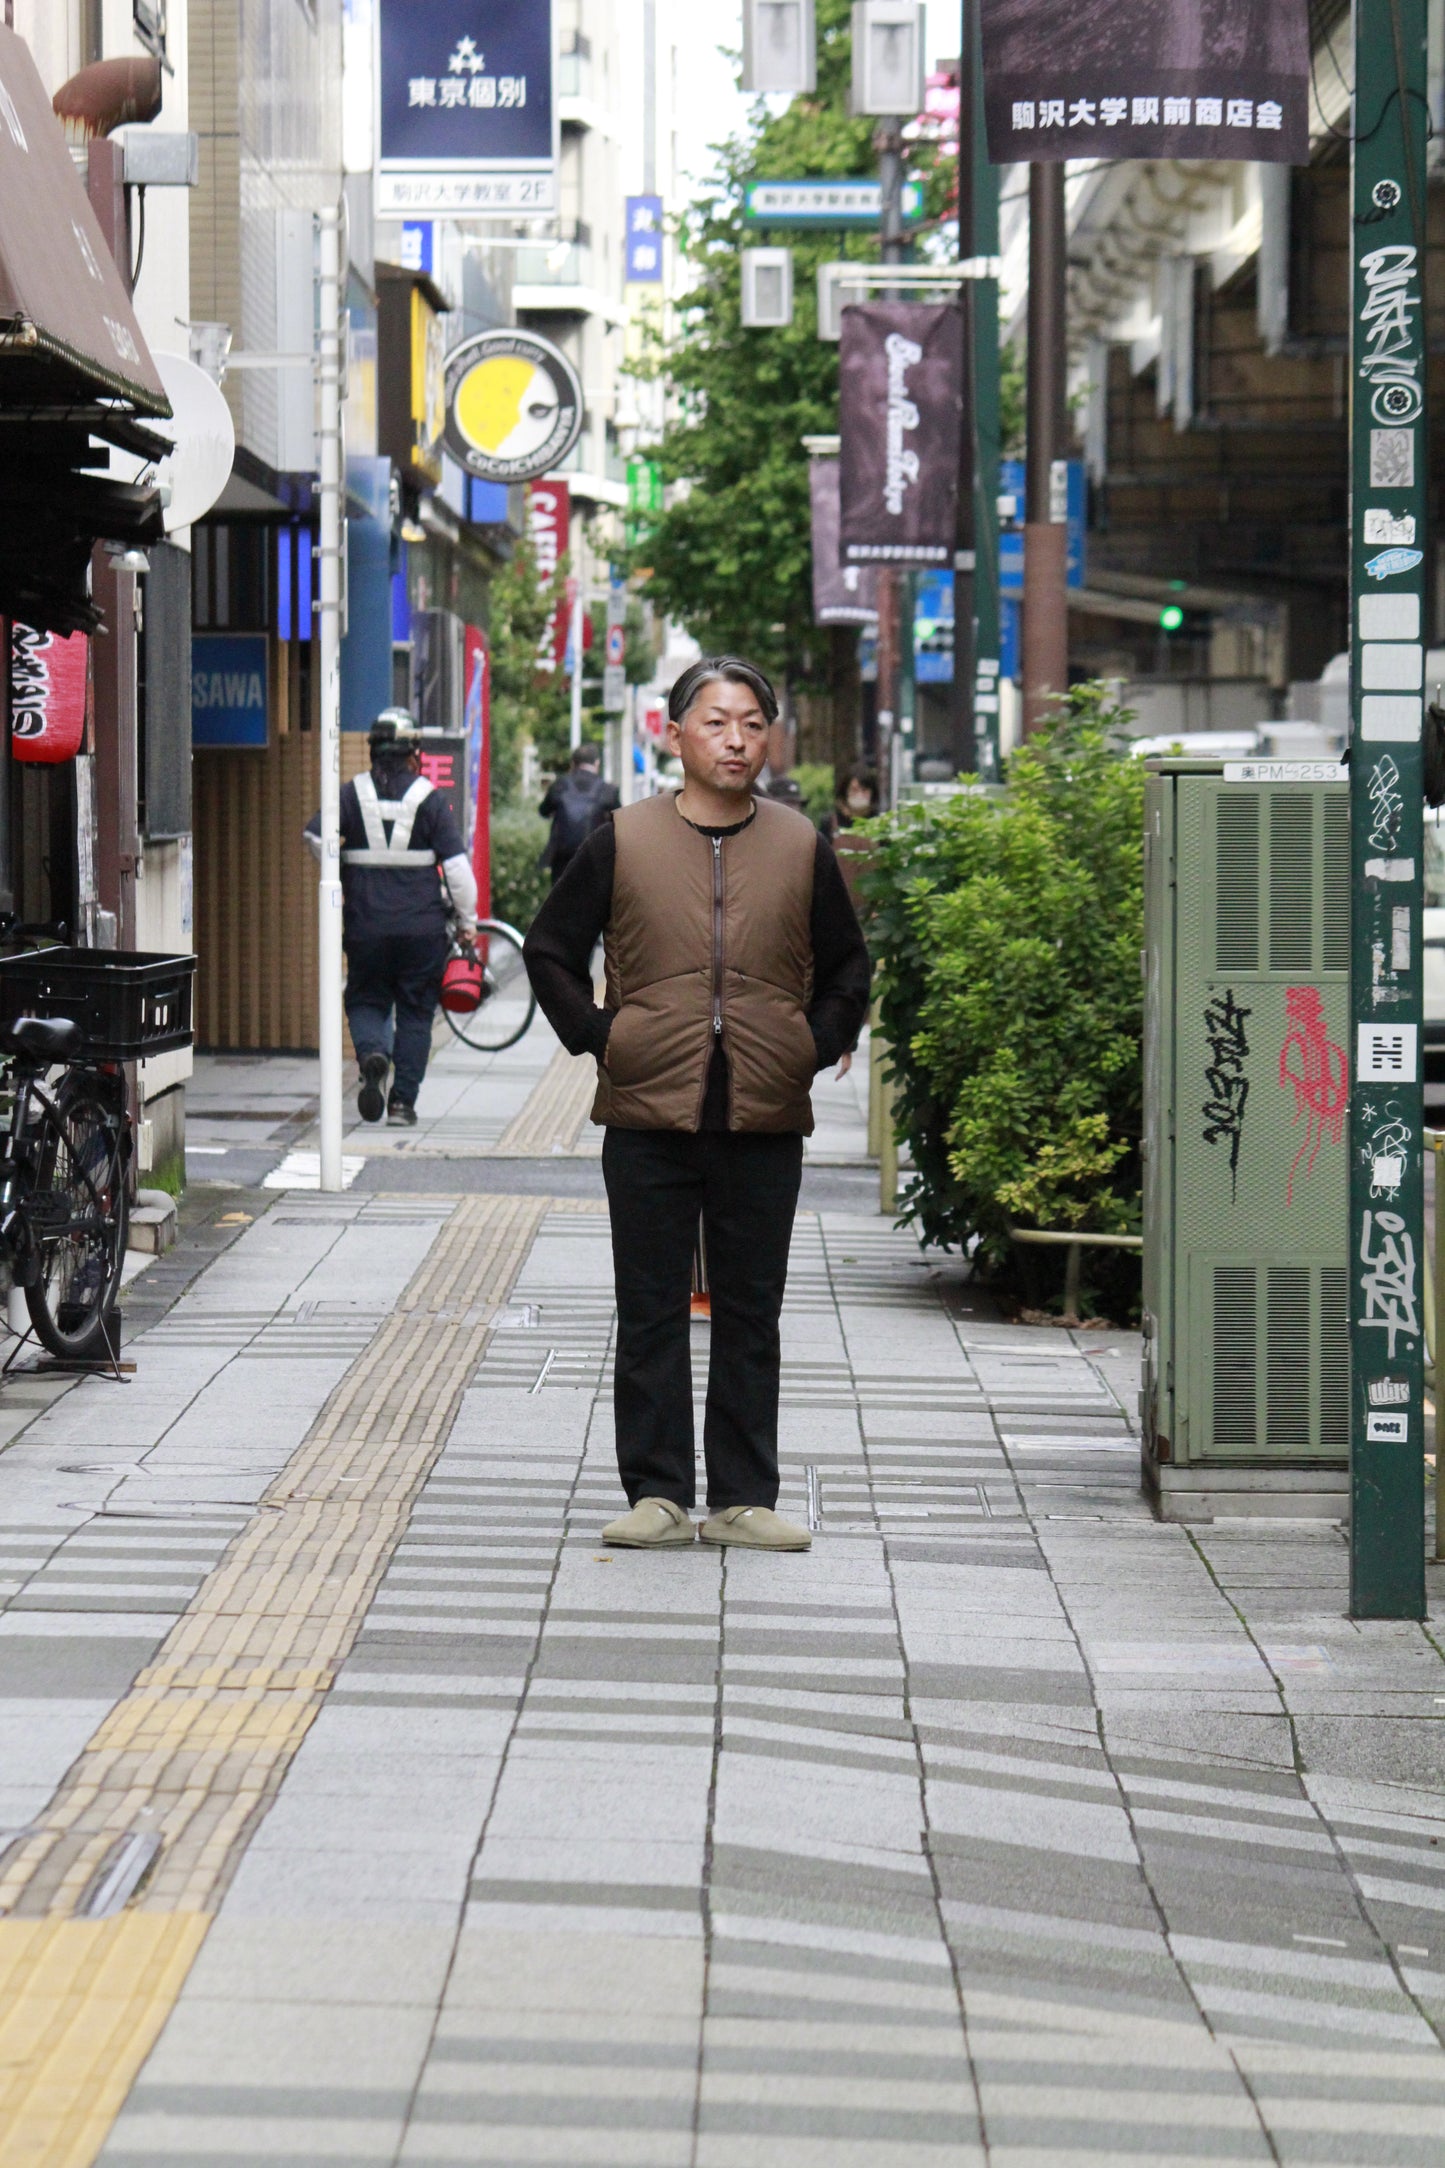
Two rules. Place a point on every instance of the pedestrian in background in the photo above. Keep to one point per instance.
(574, 803)
(403, 866)
(735, 971)
(856, 799)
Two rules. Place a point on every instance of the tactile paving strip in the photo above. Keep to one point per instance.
(553, 1116)
(198, 1747)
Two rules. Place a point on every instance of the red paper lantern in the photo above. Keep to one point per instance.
(47, 694)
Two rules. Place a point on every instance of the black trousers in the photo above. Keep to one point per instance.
(746, 1190)
(398, 973)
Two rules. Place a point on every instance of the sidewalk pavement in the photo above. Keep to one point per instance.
(1007, 1825)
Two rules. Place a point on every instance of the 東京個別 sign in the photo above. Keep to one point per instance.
(466, 108)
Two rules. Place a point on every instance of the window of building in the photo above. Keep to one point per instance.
(149, 17)
(231, 585)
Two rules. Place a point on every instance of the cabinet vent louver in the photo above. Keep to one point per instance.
(1334, 1360)
(1235, 1355)
(1287, 1356)
(1337, 883)
(1236, 877)
(1291, 871)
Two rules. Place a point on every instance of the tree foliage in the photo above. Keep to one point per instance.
(1008, 930)
(526, 702)
(730, 556)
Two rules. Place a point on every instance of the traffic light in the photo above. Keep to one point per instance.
(1171, 618)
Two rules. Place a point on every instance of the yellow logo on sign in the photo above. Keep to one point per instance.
(506, 406)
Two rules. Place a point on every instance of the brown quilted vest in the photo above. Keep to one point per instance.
(699, 932)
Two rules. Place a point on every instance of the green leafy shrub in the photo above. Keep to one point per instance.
(815, 780)
(1009, 932)
(518, 882)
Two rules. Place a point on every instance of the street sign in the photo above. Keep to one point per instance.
(643, 241)
(825, 203)
(1389, 560)
(614, 688)
(616, 647)
(466, 113)
(1175, 80)
(644, 485)
(229, 689)
(933, 629)
(513, 405)
(1011, 541)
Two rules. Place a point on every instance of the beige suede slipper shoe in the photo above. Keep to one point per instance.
(757, 1528)
(652, 1524)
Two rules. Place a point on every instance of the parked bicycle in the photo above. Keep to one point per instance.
(66, 1147)
(63, 1203)
(507, 1004)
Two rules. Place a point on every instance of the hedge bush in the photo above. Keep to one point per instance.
(518, 882)
(1009, 934)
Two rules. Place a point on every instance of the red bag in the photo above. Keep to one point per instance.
(462, 985)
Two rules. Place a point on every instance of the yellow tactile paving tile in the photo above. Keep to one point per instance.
(555, 1110)
(199, 1746)
(81, 2005)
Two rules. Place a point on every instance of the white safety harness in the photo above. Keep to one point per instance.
(394, 849)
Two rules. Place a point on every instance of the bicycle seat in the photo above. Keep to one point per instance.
(47, 1038)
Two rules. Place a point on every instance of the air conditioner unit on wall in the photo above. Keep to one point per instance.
(1247, 929)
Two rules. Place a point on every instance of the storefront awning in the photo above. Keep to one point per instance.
(67, 328)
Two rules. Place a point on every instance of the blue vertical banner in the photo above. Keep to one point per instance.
(466, 108)
(643, 263)
(1011, 540)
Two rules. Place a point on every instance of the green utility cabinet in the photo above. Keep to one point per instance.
(1245, 1398)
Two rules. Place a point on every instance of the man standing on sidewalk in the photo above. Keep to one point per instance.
(735, 970)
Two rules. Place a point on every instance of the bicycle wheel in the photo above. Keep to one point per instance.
(508, 1003)
(79, 1212)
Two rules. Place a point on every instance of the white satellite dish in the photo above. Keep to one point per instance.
(204, 437)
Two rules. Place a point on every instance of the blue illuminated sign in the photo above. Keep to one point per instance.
(229, 689)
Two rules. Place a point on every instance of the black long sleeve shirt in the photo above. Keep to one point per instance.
(565, 931)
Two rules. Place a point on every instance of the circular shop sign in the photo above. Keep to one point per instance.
(514, 406)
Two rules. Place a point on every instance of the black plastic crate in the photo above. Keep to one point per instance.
(127, 1003)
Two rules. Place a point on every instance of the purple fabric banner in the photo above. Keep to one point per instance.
(842, 594)
(1147, 79)
(900, 409)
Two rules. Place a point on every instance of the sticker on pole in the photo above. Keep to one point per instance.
(1387, 1053)
(1388, 1429)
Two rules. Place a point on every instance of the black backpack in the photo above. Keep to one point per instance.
(576, 815)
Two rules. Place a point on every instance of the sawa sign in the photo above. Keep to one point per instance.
(229, 689)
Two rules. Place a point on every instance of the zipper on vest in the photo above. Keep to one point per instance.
(717, 936)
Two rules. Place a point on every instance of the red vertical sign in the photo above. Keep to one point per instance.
(477, 721)
(47, 694)
(549, 512)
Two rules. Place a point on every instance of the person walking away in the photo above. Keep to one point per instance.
(735, 970)
(402, 864)
(574, 803)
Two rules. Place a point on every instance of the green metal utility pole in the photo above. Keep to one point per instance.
(975, 580)
(1388, 563)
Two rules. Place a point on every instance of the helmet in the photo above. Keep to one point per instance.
(394, 730)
